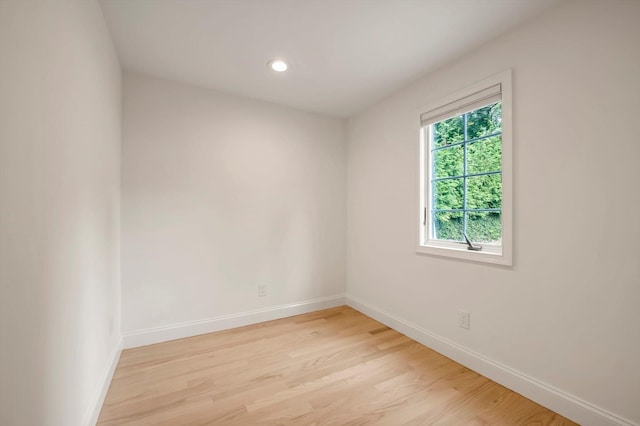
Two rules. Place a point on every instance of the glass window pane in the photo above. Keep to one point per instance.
(484, 192)
(484, 227)
(485, 155)
(448, 131)
(447, 194)
(484, 121)
(447, 226)
(448, 161)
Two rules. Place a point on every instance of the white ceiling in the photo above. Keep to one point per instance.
(344, 54)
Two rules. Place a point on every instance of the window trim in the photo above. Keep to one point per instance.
(492, 254)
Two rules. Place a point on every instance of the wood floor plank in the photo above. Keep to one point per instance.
(331, 367)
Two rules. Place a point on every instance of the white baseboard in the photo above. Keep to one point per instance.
(193, 328)
(544, 394)
(96, 404)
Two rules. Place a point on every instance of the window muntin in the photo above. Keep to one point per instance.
(465, 173)
(466, 176)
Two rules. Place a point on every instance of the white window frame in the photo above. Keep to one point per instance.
(494, 254)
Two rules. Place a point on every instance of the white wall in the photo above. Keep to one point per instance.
(59, 210)
(567, 313)
(221, 193)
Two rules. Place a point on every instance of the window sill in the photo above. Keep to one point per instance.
(491, 255)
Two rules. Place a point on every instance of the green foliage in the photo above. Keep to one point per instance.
(481, 226)
(483, 192)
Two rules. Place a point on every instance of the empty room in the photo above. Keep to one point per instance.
(319, 212)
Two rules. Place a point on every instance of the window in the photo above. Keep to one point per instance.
(465, 174)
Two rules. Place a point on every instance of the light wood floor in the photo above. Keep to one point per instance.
(332, 367)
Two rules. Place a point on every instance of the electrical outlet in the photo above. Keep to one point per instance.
(262, 290)
(464, 319)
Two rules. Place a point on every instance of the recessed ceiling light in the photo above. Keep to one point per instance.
(278, 65)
